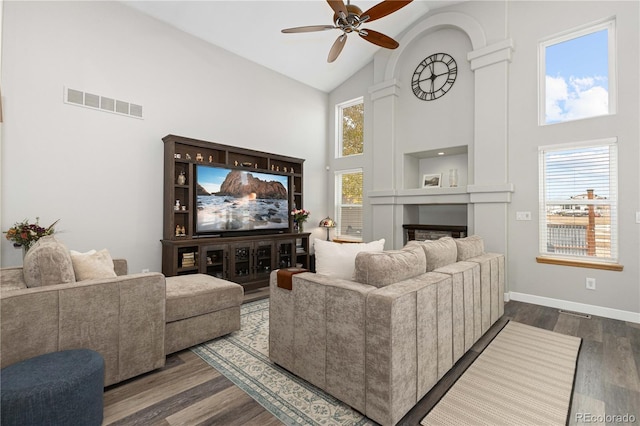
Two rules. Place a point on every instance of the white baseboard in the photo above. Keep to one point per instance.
(574, 306)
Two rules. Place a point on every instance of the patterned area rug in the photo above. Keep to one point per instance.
(524, 377)
(243, 357)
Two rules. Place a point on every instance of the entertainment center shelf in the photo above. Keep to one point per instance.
(239, 229)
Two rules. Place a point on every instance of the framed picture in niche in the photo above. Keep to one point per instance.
(431, 180)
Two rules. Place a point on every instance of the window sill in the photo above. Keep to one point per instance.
(580, 263)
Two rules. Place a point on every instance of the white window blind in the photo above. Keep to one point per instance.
(579, 201)
(349, 203)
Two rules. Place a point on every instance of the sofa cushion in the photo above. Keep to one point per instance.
(92, 264)
(338, 260)
(469, 247)
(380, 269)
(47, 263)
(438, 253)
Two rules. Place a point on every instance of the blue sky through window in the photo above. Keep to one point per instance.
(577, 78)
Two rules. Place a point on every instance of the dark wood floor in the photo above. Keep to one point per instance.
(187, 391)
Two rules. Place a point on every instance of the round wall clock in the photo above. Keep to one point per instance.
(434, 76)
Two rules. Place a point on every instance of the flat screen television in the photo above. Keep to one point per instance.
(242, 201)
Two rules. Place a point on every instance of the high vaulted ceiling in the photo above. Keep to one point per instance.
(251, 29)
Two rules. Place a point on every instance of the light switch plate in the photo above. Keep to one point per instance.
(523, 215)
(637, 217)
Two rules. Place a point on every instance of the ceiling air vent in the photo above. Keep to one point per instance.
(101, 103)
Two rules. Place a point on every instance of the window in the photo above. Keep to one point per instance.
(350, 128)
(349, 203)
(577, 74)
(579, 201)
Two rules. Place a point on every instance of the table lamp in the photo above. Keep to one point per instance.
(327, 223)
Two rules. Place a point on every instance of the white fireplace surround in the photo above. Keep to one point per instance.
(487, 191)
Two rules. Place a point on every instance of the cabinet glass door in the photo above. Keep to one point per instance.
(286, 253)
(263, 251)
(241, 255)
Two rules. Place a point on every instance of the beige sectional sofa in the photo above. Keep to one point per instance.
(122, 318)
(381, 341)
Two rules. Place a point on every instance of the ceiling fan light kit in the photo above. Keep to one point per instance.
(348, 19)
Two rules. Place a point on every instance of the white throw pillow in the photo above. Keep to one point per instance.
(92, 264)
(339, 260)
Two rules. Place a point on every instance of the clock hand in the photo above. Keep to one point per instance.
(433, 77)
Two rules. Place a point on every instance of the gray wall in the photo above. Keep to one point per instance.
(101, 173)
(502, 120)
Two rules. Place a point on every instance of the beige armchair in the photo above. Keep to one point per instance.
(122, 318)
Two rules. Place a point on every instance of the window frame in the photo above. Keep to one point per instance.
(338, 198)
(339, 126)
(608, 24)
(611, 262)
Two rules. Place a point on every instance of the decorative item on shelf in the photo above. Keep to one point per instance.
(177, 155)
(182, 179)
(453, 178)
(188, 260)
(431, 180)
(183, 208)
(235, 163)
(277, 168)
(285, 169)
(24, 234)
(187, 156)
(292, 170)
(255, 166)
(300, 216)
(211, 158)
(183, 231)
(327, 223)
(199, 157)
(247, 164)
(177, 206)
(177, 230)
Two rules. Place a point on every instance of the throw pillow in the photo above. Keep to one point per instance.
(338, 260)
(469, 247)
(47, 263)
(380, 269)
(92, 264)
(439, 253)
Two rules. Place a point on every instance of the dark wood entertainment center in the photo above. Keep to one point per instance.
(246, 258)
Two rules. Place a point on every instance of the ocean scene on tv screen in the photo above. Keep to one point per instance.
(237, 200)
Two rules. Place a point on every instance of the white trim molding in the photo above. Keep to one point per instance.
(600, 311)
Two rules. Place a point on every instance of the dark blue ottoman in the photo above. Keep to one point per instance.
(59, 388)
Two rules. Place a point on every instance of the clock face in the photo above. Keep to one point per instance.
(434, 76)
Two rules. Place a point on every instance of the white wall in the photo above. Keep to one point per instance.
(100, 173)
(453, 120)
(614, 290)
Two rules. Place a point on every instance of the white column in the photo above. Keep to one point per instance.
(384, 215)
(489, 189)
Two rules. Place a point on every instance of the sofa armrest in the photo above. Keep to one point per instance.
(11, 279)
(317, 331)
(122, 318)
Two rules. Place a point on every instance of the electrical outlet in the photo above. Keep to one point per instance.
(637, 217)
(523, 215)
(590, 283)
(145, 270)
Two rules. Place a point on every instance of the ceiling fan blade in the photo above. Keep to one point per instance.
(384, 8)
(308, 29)
(378, 38)
(338, 7)
(337, 47)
